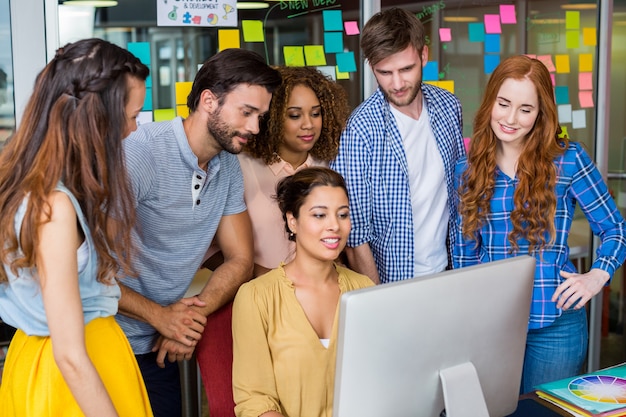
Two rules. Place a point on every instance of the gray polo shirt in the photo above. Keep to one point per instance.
(179, 207)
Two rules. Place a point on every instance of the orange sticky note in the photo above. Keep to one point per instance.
(228, 38)
(589, 37)
(585, 63)
(562, 64)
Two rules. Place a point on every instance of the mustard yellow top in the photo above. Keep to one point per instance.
(279, 362)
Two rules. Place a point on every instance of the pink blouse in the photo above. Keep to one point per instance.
(271, 245)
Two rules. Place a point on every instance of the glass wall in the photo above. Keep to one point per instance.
(7, 102)
(614, 325)
(467, 39)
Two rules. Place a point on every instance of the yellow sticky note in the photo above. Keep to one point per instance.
(572, 20)
(294, 56)
(563, 133)
(228, 38)
(182, 91)
(164, 114)
(252, 31)
(435, 83)
(314, 55)
(585, 63)
(341, 75)
(572, 39)
(589, 37)
(562, 64)
(447, 85)
(182, 111)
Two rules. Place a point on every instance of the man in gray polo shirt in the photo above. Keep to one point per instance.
(188, 189)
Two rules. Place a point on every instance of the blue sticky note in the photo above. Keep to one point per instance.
(476, 32)
(562, 94)
(491, 62)
(333, 42)
(333, 20)
(492, 43)
(346, 62)
(141, 50)
(147, 103)
(149, 79)
(430, 71)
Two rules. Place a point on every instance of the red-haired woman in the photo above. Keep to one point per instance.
(518, 189)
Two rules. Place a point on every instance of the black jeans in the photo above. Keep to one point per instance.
(162, 384)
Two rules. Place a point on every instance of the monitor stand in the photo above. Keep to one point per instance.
(462, 394)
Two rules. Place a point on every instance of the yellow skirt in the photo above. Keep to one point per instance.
(32, 384)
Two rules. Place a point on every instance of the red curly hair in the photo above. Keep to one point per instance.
(534, 198)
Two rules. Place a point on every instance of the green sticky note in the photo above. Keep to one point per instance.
(252, 31)
(294, 56)
(572, 39)
(572, 20)
(164, 114)
(314, 55)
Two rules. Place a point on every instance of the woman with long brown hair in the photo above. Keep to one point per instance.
(519, 187)
(65, 219)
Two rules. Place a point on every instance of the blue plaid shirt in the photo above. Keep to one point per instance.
(578, 180)
(373, 162)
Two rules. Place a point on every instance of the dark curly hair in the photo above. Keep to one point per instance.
(335, 111)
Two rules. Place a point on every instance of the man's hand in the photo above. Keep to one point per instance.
(174, 350)
(181, 322)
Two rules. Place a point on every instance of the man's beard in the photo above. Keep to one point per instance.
(224, 135)
(406, 101)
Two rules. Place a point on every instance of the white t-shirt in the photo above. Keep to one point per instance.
(429, 195)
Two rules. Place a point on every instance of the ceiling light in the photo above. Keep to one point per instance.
(251, 5)
(92, 3)
(547, 21)
(460, 19)
(579, 6)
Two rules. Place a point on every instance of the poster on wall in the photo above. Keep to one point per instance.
(220, 13)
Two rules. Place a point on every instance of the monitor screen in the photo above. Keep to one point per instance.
(401, 345)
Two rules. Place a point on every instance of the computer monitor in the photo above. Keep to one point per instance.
(453, 340)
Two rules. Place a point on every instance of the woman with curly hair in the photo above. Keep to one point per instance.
(518, 190)
(65, 218)
(302, 128)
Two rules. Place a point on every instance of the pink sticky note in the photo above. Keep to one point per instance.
(492, 23)
(466, 142)
(547, 61)
(351, 27)
(445, 34)
(553, 78)
(507, 14)
(585, 81)
(586, 99)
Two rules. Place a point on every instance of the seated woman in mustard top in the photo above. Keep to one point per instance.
(285, 322)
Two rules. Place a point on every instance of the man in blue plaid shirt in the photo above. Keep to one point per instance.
(397, 154)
